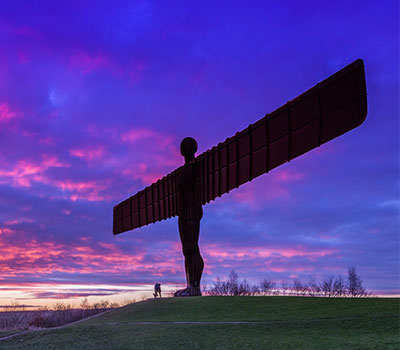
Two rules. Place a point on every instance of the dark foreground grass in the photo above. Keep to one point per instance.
(277, 323)
(7, 332)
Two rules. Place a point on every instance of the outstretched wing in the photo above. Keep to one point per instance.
(155, 203)
(328, 110)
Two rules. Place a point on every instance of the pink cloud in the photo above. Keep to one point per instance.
(137, 134)
(52, 162)
(277, 269)
(275, 186)
(18, 221)
(26, 171)
(6, 230)
(286, 176)
(44, 258)
(246, 253)
(89, 154)
(160, 140)
(159, 155)
(141, 173)
(161, 148)
(49, 141)
(84, 190)
(271, 266)
(6, 113)
(41, 258)
(252, 195)
(78, 186)
(87, 63)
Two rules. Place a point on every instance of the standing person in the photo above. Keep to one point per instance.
(157, 290)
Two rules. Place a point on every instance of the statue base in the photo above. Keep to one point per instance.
(188, 292)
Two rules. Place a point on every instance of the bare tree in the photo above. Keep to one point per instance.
(233, 283)
(339, 287)
(255, 290)
(354, 283)
(14, 306)
(102, 304)
(85, 304)
(327, 286)
(232, 287)
(331, 286)
(244, 288)
(284, 286)
(59, 306)
(314, 288)
(220, 288)
(299, 287)
(267, 286)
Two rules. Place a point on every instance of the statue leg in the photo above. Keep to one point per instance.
(194, 264)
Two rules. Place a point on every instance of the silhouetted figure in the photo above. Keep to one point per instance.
(190, 212)
(157, 290)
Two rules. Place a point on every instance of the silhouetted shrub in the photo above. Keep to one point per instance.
(354, 283)
(232, 287)
(267, 287)
(331, 286)
(40, 322)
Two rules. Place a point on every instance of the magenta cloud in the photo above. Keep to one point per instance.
(95, 98)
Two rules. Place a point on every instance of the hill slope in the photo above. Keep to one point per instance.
(230, 323)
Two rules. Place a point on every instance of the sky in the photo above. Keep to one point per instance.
(95, 97)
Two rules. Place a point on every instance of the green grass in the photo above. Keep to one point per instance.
(278, 323)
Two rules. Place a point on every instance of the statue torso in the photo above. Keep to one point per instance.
(189, 205)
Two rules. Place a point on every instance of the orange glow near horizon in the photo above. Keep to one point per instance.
(47, 294)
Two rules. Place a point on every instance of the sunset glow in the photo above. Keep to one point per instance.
(95, 98)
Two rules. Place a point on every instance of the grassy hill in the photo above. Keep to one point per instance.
(230, 323)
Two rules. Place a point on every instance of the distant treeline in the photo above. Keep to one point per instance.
(350, 285)
(59, 306)
(16, 316)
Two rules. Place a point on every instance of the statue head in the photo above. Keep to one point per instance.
(188, 148)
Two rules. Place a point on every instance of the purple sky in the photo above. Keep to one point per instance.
(95, 98)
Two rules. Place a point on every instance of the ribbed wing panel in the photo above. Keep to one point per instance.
(155, 203)
(331, 108)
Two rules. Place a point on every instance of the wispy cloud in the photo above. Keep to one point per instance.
(89, 153)
(91, 112)
(6, 113)
(26, 171)
(87, 63)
